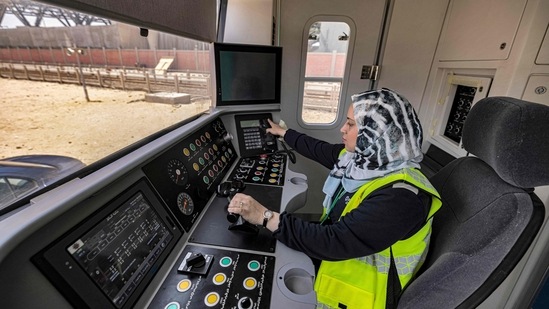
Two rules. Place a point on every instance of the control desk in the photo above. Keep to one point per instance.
(162, 236)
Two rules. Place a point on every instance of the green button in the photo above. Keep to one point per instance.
(254, 265)
(225, 261)
(172, 305)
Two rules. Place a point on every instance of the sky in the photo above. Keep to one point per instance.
(10, 21)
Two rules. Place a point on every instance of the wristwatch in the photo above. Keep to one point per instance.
(266, 216)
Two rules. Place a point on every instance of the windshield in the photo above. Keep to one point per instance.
(82, 87)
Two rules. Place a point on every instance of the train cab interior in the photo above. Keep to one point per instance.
(145, 224)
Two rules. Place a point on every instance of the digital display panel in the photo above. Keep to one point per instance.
(247, 74)
(249, 123)
(120, 249)
(117, 252)
(108, 258)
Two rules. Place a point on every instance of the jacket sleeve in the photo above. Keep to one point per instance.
(312, 148)
(388, 215)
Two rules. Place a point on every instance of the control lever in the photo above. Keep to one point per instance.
(270, 139)
(244, 226)
(229, 189)
(236, 186)
(227, 137)
(232, 217)
(290, 153)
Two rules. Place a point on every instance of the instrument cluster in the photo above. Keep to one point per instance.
(187, 174)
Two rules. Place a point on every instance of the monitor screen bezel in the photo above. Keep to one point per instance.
(246, 48)
(70, 278)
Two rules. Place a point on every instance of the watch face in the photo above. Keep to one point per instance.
(266, 216)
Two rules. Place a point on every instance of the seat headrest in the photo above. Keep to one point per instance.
(512, 136)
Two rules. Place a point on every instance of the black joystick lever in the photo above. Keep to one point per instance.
(229, 189)
(270, 140)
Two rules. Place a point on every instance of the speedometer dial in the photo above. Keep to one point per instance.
(177, 172)
(185, 203)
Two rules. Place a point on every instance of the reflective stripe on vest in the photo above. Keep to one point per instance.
(362, 282)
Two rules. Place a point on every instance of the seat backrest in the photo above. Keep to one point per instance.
(489, 214)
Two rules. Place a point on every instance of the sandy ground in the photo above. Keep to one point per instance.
(51, 118)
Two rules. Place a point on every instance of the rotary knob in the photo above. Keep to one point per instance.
(245, 303)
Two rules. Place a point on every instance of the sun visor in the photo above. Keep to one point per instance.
(195, 19)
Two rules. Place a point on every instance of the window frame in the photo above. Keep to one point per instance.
(341, 110)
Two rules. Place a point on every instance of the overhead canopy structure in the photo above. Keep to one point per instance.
(32, 13)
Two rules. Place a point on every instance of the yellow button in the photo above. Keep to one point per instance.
(211, 299)
(219, 279)
(250, 283)
(184, 285)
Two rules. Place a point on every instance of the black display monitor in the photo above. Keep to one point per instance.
(108, 260)
(247, 74)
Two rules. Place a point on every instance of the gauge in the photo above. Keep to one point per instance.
(185, 203)
(177, 172)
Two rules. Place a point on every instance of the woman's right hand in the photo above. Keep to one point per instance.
(275, 129)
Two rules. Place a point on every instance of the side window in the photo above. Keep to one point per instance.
(70, 68)
(22, 186)
(6, 194)
(13, 188)
(327, 47)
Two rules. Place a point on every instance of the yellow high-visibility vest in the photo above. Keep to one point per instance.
(362, 282)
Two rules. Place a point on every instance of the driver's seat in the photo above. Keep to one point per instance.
(490, 214)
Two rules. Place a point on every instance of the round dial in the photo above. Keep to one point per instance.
(185, 203)
(177, 172)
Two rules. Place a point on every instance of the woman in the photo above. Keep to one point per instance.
(375, 229)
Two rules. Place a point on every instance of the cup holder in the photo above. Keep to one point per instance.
(298, 281)
(298, 181)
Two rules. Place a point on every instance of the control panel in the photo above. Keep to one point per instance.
(220, 279)
(463, 100)
(172, 221)
(252, 135)
(267, 169)
(187, 174)
(460, 93)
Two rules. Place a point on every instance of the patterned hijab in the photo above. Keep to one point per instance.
(389, 139)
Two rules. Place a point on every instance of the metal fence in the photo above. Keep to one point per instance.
(195, 83)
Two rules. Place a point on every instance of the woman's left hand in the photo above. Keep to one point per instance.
(247, 207)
